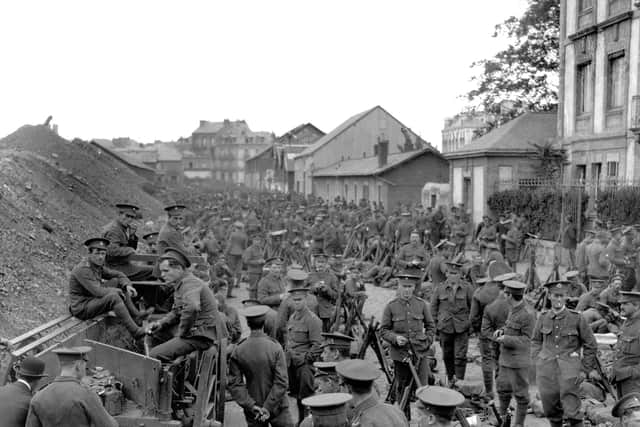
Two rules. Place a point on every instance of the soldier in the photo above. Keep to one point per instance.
(451, 304)
(581, 254)
(170, 235)
(494, 318)
(515, 352)
(228, 314)
(123, 243)
(236, 246)
(590, 298)
(65, 402)
(151, 240)
(412, 257)
(336, 347)
(563, 348)
(597, 263)
(365, 410)
(614, 253)
(576, 289)
(317, 235)
(459, 234)
(297, 279)
(90, 296)
(628, 410)
(512, 244)
(15, 397)
(437, 405)
(325, 378)
(258, 378)
(626, 365)
(409, 329)
(327, 410)
(303, 347)
(404, 229)
(194, 311)
(271, 288)
(437, 268)
(324, 285)
(485, 294)
(253, 258)
(270, 319)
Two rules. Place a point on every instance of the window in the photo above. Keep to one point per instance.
(327, 189)
(190, 165)
(346, 192)
(355, 192)
(297, 186)
(612, 169)
(583, 88)
(365, 192)
(584, 5)
(505, 177)
(379, 193)
(615, 81)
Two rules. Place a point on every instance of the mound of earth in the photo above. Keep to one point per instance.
(54, 194)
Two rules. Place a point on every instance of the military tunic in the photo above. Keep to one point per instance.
(120, 249)
(253, 258)
(626, 364)
(65, 402)
(562, 346)
(327, 295)
(270, 288)
(258, 376)
(412, 256)
(482, 297)
(14, 404)
(372, 413)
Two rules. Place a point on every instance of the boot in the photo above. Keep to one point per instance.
(460, 371)
(521, 414)
(504, 406)
(487, 377)
(123, 314)
(144, 314)
(301, 409)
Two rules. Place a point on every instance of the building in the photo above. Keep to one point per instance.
(599, 109)
(390, 179)
(354, 139)
(197, 165)
(461, 129)
(148, 173)
(497, 160)
(272, 168)
(229, 144)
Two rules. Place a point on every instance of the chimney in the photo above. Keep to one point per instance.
(203, 123)
(383, 152)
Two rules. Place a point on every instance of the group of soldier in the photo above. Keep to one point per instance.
(301, 259)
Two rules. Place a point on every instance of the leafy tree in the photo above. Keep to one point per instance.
(524, 76)
(550, 159)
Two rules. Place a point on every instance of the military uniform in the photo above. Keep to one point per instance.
(412, 320)
(437, 269)
(285, 310)
(440, 402)
(373, 413)
(404, 229)
(327, 294)
(412, 257)
(515, 356)
(235, 249)
(626, 369)
(557, 341)
(493, 318)
(260, 360)
(195, 312)
(121, 247)
(303, 348)
(254, 260)
(450, 305)
(270, 287)
(65, 402)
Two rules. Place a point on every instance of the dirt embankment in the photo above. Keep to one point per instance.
(54, 194)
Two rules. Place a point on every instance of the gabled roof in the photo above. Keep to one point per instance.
(512, 138)
(209, 127)
(260, 152)
(126, 159)
(334, 133)
(298, 129)
(369, 165)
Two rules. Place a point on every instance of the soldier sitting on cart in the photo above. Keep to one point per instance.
(194, 311)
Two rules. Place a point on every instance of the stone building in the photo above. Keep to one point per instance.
(599, 109)
(461, 129)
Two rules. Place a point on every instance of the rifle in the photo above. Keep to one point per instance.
(604, 382)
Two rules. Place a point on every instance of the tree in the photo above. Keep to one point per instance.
(524, 76)
(550, 159)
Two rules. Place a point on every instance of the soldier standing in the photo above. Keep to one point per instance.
(327, 410)
(272, 287)
(515, 352)
(270, 319)
(408, 327)
(325, 286)
(404, 229)
(437, 405)
(65, 402)
(253, 258)
(626, 365)
(563, 348)
(303, 347)
(235, 249)
(493, 318)
(437, 268)
(258, 378)
(451, 304)
(365, 409)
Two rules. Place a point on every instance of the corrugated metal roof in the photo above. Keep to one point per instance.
(334, 133)
(369, 165)
(513, 137)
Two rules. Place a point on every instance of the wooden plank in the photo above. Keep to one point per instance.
(154, 257)
(43, 339)
(140, 375)
(149, 283)
(39, 329)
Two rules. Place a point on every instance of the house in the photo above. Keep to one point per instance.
(197, 165)
(169, 164)
(461, 129)
(132, 162)
(599, 105)
(497, 160)
(272, 168)
(354, 139)
(229, 144)
(384, 178)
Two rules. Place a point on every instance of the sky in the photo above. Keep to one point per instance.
(151, 70)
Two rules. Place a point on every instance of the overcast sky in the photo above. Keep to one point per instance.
(152, 69)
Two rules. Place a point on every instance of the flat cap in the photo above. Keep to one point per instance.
(453, 264)
(628, 296)
(358, 370)
(498, 268)
(328, 403)
(324, 368)
(627, 402)
(515, 287)
(177, 255)
(405, 277)
(297, 275)
(175, 209)
(97, 242)
(336, 339)
(255, 311)
(558, 286)
(442, 401)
